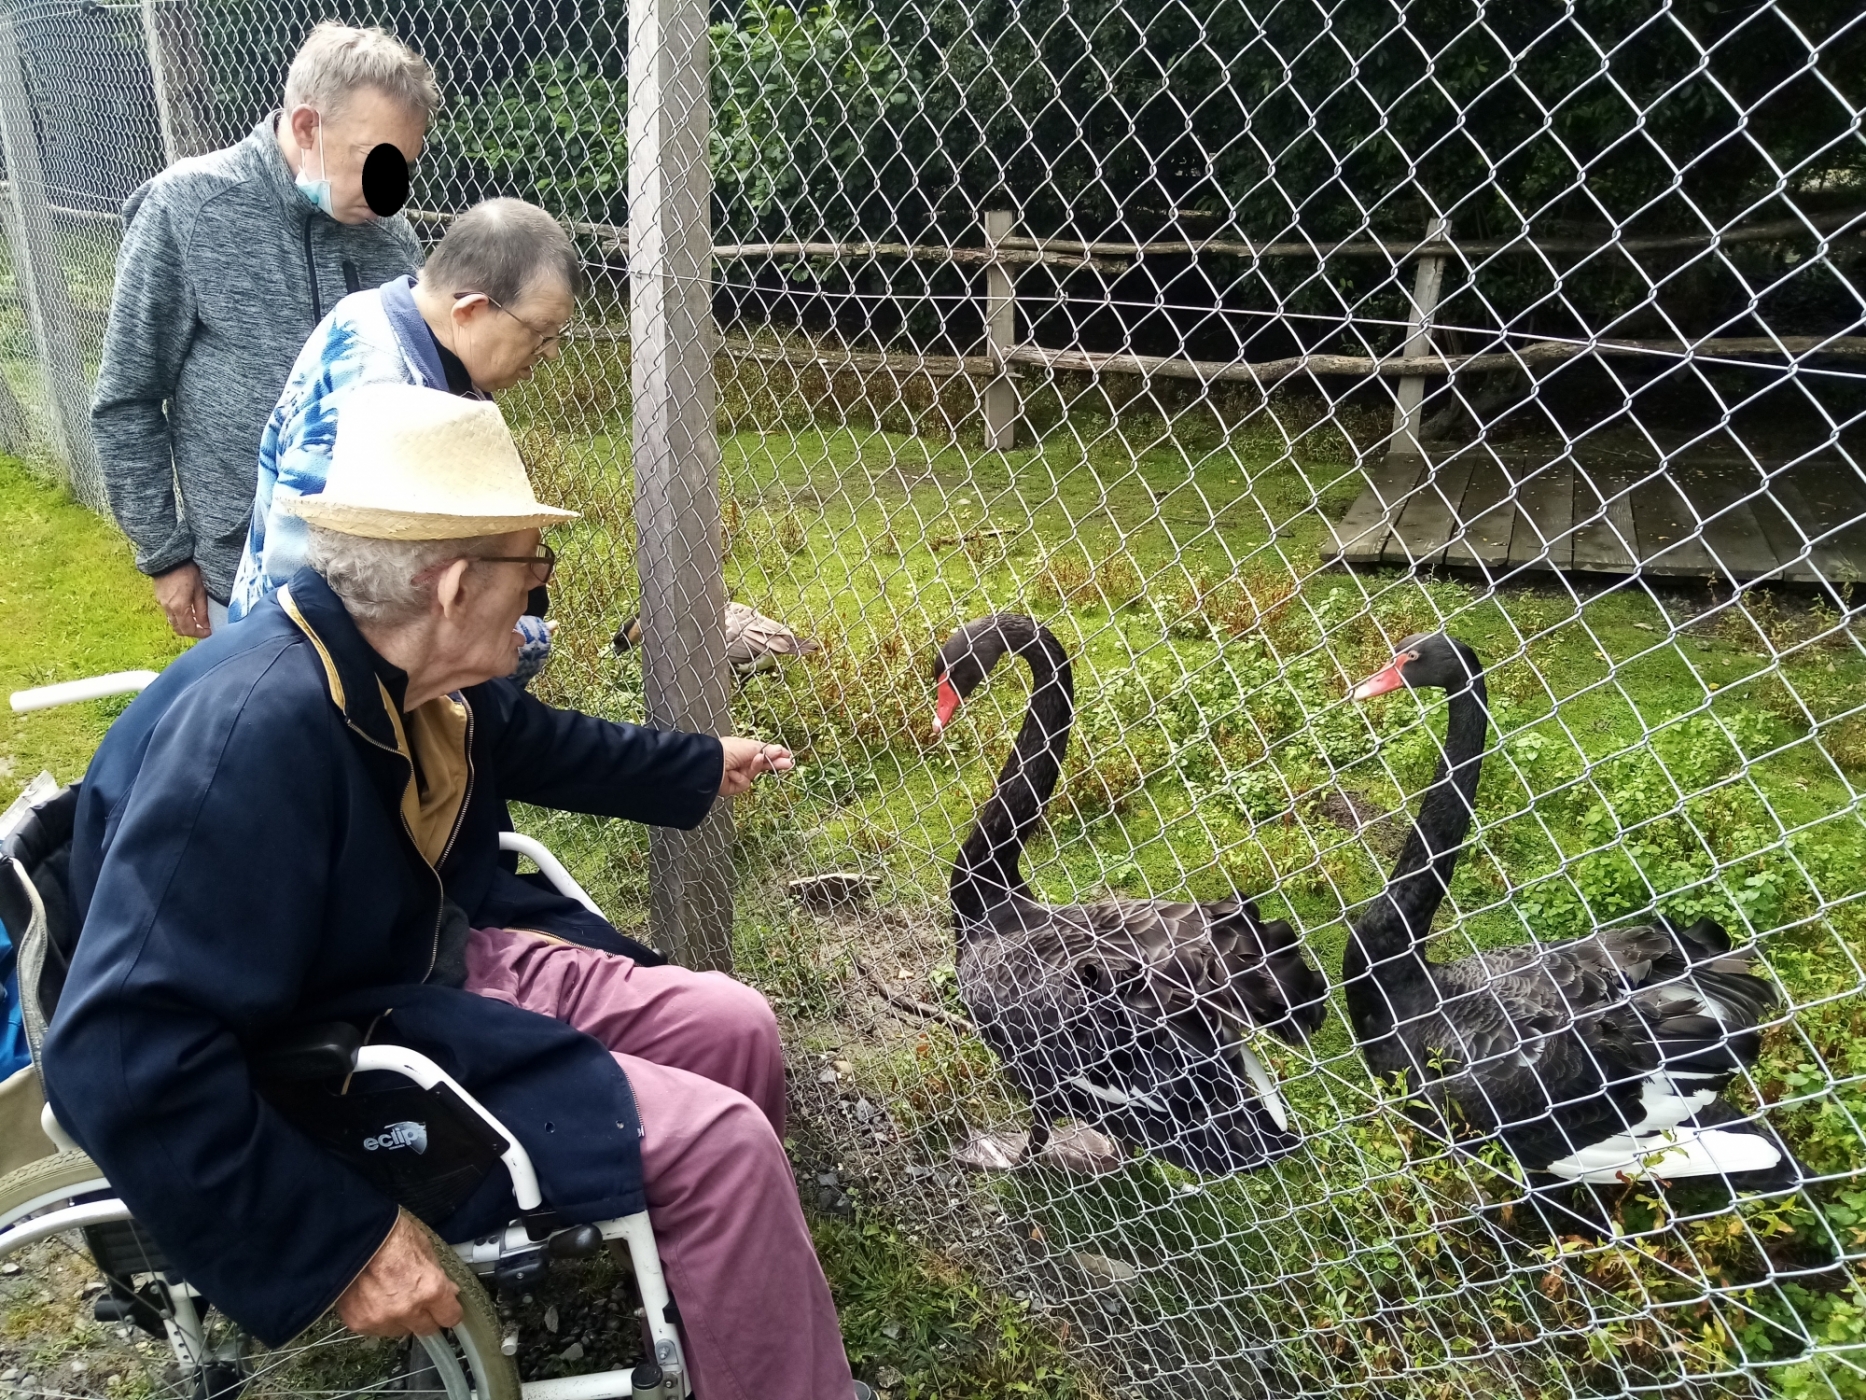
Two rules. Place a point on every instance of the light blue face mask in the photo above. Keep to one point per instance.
(317, 192)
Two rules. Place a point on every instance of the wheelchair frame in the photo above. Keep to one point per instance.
(486, 1256)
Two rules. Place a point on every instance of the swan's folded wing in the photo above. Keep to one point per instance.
(1519, 1013)
(1670, 973)
(1698, 1033)
(1515, 1057)
(752, 634)
(1724, 977)
(1218, 958)
(1586, 973)
(1496, 1018)
(1144, 953)
(1662, 972)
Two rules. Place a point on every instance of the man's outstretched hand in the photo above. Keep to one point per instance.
(746, 759)
(402, 1290)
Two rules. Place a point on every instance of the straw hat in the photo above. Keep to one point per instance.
(419, 464)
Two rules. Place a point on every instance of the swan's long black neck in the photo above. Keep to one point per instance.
(1388, 934)
(986, 874)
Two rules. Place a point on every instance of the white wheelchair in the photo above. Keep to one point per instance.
(196, 1351)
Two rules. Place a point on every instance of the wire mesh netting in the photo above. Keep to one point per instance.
(1215, 359)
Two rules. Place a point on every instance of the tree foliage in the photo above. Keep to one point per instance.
(1332, 117)
(802, 104)
(1111, 118)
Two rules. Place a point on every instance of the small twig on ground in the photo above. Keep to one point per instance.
(907, 1003)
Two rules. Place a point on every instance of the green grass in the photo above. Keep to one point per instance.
(921, 1326)
(72, 604)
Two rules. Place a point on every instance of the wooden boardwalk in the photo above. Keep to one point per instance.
(1703, 518)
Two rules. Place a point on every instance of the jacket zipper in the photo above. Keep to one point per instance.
(460, 816)
(317, 301)
(628, 1092)
(434, 939)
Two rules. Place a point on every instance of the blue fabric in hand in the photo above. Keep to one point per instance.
(535, 649)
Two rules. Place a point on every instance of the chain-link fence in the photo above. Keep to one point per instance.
(1234, 343)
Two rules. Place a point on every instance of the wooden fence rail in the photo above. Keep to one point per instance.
(1848, 223)
(1020, 251)
(1266, 372)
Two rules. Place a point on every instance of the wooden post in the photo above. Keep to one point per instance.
(41, 278)
(676, 451)
(1000, 338)
(172, 42)
(1408, 414)
(158, 76)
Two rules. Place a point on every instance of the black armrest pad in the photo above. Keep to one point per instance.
(325, 1051)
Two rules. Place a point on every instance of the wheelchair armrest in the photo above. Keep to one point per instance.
(325, 1051)
(411, 1064)
(549, 866)
(336, 1049)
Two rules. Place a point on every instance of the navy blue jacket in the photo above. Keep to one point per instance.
(241, 866)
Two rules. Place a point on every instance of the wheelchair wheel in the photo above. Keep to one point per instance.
(151, 1335)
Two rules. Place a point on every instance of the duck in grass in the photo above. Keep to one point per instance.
(1598, 1060)
(754, 642)
(1131, 1017)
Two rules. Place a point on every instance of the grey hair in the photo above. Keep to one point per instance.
(388, 582)
(502, 248)
(337, 61)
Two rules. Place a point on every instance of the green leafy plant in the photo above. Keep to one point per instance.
(802, 103)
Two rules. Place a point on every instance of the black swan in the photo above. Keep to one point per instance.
(1595, 1060)
(1125, 1015)
(754, 642)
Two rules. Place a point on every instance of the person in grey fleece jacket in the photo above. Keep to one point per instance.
(228, 262)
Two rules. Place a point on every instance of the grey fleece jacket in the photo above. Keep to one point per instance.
(224, 271)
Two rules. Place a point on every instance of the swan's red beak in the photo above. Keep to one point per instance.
(946, 705)
(1383, 681)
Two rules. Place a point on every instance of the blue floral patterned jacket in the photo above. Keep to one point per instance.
(371, 337)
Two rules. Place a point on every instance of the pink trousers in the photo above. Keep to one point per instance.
(702, 1055)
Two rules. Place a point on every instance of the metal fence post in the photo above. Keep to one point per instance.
(676, 450)
(42, 277)
(1408, 414)
(1000, 337)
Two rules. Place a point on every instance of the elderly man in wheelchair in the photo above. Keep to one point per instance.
(311, 1027)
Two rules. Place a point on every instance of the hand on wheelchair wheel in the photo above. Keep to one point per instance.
(402, 1290)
